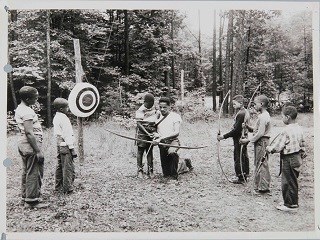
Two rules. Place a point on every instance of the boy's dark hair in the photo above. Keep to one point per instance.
(290, 111)
(148, 97)
(239, 99)
(27, 92)
(264, 100)
(165, 100)
(60, 103)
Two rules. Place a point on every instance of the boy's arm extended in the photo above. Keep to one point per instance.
(237, 129)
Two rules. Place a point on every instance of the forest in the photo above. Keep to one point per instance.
(126, 53)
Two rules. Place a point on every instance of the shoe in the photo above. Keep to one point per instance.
(188, 164)
(140, 175)
(151, 175)
(35, 205)
(22, 202)
(261, 192)
(287, 209)
(68, 192)
(238, 181)
(175, 177)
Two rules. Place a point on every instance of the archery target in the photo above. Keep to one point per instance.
(83, 99)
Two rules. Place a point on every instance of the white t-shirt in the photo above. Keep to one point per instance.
(166, 127)
(25, 113)
(62, 127)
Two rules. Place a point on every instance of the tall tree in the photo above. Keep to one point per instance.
(221, 26)
(49, 118)
(214, 64)
(126, 37)
(12, 37)
(172, 52)
(228, 58)
(239, 54)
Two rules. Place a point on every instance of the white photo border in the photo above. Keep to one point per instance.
(86, 4)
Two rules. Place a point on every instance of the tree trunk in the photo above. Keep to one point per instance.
(199, 70)
(214, 64)
(172, 57)
(118, 44)
(199, 36)
(126, 36)
(220, 56)
(228, 59)
(166, 78)
(12, 37)
(239, 57)
(79, 75)
(49, 118)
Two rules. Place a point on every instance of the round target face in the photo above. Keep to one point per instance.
(83, 99)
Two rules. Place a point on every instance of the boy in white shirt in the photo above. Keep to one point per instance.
(29, 146)
(65, 143)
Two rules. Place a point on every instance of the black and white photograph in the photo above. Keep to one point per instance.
(178, 119)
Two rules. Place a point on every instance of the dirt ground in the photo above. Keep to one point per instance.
(109, 198)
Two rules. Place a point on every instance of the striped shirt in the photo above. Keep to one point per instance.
(290, 140)
(147, 114)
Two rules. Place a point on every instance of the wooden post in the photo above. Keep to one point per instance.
(182, 85)
(79, 74)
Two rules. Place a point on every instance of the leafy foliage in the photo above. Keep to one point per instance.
(266, 49)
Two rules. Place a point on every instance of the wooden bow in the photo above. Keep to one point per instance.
(244, 132)
(219, 132)
(151, 142)
(265, 155)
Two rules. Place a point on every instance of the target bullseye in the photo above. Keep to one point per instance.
(83, 99)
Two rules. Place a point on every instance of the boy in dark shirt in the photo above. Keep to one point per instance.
(236, 133)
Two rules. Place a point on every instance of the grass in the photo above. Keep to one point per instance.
(109, 198)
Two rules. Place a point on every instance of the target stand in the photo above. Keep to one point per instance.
(83, 99)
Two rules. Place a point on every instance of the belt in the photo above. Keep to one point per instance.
(61, 142)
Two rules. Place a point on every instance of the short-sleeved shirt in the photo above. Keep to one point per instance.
(262, 127)
(62, 128)
(166, 127)
(147, 114)
(24, 113)
(290, 140)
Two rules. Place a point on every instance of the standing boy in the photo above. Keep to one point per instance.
(29, 146)
(146, 116)
(291, 145)
(168, 129)
(236, 134)
(260, 139)
(63, 131)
